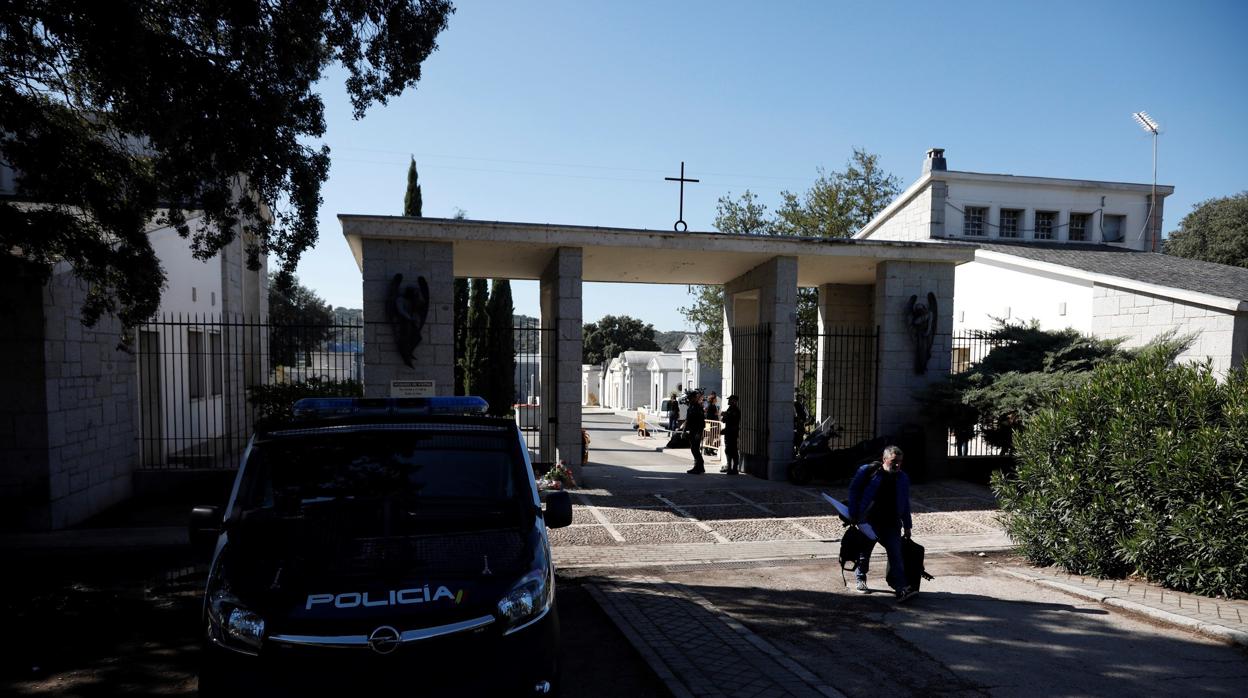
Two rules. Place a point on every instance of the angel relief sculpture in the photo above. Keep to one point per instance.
(921, 323)
(407, 308)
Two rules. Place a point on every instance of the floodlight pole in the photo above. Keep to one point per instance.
(1152, 209)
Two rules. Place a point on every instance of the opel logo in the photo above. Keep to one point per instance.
(384, 640)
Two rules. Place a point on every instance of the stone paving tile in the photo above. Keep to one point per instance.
(696, 649)
(655, 515)
(601, 499)
(759, 530)
(577, 536)
(930, 524)
(769, 497)
(735, 510)
(664, 533)
(695, 497)
(951, 503)
(583, 515)
(803, 509)
(1224, 619)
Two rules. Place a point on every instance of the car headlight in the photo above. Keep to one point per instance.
(527, 601)
(230, 623)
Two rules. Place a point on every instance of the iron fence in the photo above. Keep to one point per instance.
(836, 376)
(968, 348)
(751, 359)
(199, 378)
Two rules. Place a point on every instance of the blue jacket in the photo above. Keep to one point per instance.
(862, 492)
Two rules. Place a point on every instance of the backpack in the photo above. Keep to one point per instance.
(853, 544)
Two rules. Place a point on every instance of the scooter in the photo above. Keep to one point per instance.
(817, 459)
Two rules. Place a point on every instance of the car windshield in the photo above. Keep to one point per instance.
(414, 466)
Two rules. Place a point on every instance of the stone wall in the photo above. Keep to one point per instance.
(90, 389)
(920, 218)
(23, 425)
(776, 283)
(560, 291)
(434, 357)
(898, 411)
(1221, 335)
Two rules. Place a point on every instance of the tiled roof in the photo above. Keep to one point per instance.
(1146, 267)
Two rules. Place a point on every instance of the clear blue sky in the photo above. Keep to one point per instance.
(573, 112)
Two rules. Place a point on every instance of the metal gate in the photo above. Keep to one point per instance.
(751, 358)
(844, 385)
(200, 377)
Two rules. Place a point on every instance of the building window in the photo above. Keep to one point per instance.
(214, 363)
(1112, 227)
(973, 221)
(1079, 226)
(1009, 222)
(1046, 221)
(195, 363)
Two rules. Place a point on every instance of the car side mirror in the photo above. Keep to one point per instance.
(204, 527)
(558, 509)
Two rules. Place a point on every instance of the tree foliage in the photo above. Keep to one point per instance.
(1141, 467)
(835, 206)
(1215, 231)
(461, 333)
(199, 116)
(299, 320)
(605, 339)
(476, 343)
(412, 202)
(1026, 367)
(502, 358)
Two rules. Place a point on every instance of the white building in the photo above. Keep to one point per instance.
(665, 375)
(1070, 253)
(695, 374)
(591, 385)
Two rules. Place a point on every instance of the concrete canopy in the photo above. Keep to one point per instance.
(502, 250)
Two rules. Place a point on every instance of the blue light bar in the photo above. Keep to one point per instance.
(362, 406)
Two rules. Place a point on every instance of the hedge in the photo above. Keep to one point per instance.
(272, 402)
(1139, 469)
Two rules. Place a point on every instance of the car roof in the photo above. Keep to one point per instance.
(306, 426)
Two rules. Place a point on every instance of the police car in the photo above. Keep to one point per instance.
(395, 543)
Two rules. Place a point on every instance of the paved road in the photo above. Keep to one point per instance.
(713, 580)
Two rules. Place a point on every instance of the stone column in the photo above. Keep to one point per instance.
(898, 411)
(561, 357)
(772, 288)
(846, 379)
(434, 358)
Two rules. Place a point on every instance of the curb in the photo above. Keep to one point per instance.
(653, 660)
(1213, 630)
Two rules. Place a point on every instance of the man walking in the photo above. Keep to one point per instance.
(879, 494)
(695, 422)
(732, 425)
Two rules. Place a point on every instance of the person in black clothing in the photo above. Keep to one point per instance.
(879, 494)
(732, 426)
(695, 422)
(712, 407)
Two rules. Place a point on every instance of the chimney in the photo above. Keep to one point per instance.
(935, 161)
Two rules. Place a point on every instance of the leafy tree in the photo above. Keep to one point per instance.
(299, 320)
(706, 314)
(411, 199)
(1027, 366)
(197, 115)
(502, 358)
(1140, 468)
(605, 339)
(743, 216)
(476, 351)
(839, 203)
(1215, 231)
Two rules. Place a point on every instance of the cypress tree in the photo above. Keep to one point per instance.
(411, 200)
(461, 332)
(502, 356)
(476, 353)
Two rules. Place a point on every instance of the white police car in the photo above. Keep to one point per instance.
(383, 543)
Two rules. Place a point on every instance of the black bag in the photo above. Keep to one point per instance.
(912, 560)
(679, 440)
(853, 544)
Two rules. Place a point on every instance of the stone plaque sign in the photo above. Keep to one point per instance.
(413, 388)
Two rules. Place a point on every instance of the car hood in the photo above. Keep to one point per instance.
(309, 584)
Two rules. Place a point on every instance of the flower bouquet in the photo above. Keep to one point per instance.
(557, 478)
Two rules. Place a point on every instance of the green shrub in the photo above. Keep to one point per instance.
(1140, 468)
(272, 402)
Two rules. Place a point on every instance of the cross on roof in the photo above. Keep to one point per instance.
(681, 226)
